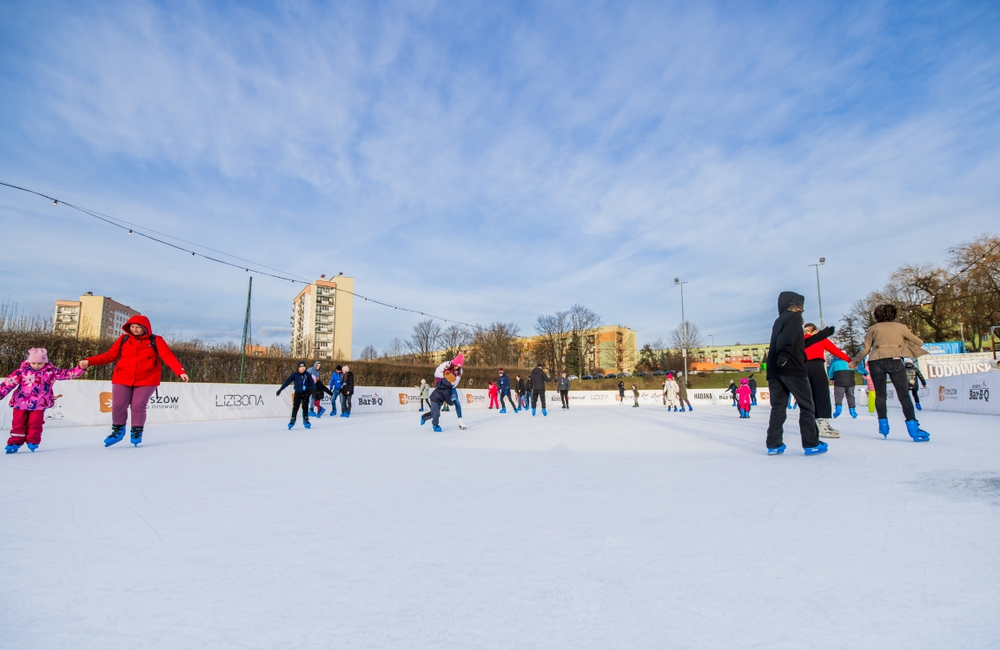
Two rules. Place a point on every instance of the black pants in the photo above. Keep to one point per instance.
(564, 397)
(345, 403)
(896, 371)
(916, 395)
(440, 396)
(506, 394)
(534, 398)
(780, 388)
(819, 382)
(300, 400)
(422, 400)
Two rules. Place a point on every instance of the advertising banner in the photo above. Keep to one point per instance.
(953, 365)
(979, 393)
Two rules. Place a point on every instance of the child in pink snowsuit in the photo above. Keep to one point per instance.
(33, 381)
(743, 394)
(494, 396)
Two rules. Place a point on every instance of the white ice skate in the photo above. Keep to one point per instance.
(825, 430)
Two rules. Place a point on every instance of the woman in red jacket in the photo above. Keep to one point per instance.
(138, 356)
(819, 381)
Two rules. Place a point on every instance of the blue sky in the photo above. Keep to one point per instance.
(495, 161)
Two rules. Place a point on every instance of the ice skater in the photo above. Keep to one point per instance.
(304, 387)
(752, 383)
(635, 396)
(454, 392)
(346, 392)
(519, 385)
(743, 398)
(425, 394)
(732, 392)
(671, 391)
(536, 383)
(913, 375)
(819, 382)
(336, 382)
(563, 388)
(31, 385)
(494, 394)
(843, 386)
(321, 389)
(442, 394)
(886, 344)
(503, 383)
(682, 391)
(138, 356)
(621, 393)
(786, 375)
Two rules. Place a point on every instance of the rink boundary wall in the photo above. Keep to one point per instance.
(88, 403)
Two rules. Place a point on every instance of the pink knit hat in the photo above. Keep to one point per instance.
(743, 381)
(38, 355)
(459, 360)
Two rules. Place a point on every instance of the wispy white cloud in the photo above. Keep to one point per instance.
(496, 163)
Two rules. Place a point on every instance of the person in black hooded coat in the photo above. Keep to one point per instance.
(786, 372)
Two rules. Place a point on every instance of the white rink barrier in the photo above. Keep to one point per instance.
(87, 403)
(978, 393)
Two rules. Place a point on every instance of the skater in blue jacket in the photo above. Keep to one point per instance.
(503, 383)
(336, 381)
(304, 387)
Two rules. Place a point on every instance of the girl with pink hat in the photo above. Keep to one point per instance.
(448, 374)
(33, 381)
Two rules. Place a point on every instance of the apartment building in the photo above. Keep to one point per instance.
(323, 319)
(91, 317)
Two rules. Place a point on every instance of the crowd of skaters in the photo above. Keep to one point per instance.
(796, 370)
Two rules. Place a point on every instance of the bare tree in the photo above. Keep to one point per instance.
(686, 338)
(394, 350)
(455, 338)
(582, 321)
(554, 335)
(369, 353)
(425, 339)
(496, 345)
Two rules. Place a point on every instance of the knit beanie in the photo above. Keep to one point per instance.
(459, 360)
(38, 355)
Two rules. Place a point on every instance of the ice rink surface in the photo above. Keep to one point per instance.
(598, 527)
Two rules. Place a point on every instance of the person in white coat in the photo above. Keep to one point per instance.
(670, 391)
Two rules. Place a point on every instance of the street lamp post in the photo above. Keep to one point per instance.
(684, 328)
(819, 296)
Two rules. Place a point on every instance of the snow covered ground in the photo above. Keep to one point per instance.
(593, 528)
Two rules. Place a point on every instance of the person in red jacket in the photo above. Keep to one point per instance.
(138, 356)
(819, 381)
(494, 393)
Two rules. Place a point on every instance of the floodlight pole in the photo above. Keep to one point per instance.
(684, 328)
(819, 296)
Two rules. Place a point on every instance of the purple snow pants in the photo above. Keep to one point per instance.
(135, 396)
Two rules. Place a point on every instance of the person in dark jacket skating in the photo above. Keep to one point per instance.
(347, 391)
(303, 390)
(786, 375)
(336, 382)
(447, 375)
(537, 383)
(519, 387)
(621, 393)
(913, 374)
(503, 383)
(563, 387)
(752, 383)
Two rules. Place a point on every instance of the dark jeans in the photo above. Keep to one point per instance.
(820, 384)
(896, 371)
(438, 397)
(534, 398)
(916, 395)
(300, 400)
(345, 403)
(798, 387)
(457, 402)
(564, 397)
(506, 394)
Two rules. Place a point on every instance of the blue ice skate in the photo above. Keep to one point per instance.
(883, 427)
(777, 451)
(437, 428)
(690, 408)
(11, 449)
(307, 425)
(918, 406)
(532, 412)
(321, 411)
(818, 449)
(117, 433)
(291, 424)
(420, 410)
(503, 410)
(854, 414)
(918, 434)
(32, 446)
(544, 413)
(136, 437)
(837, 410)
(347, 415)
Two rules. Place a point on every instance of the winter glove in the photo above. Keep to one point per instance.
(828, 331)
(277, 393)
